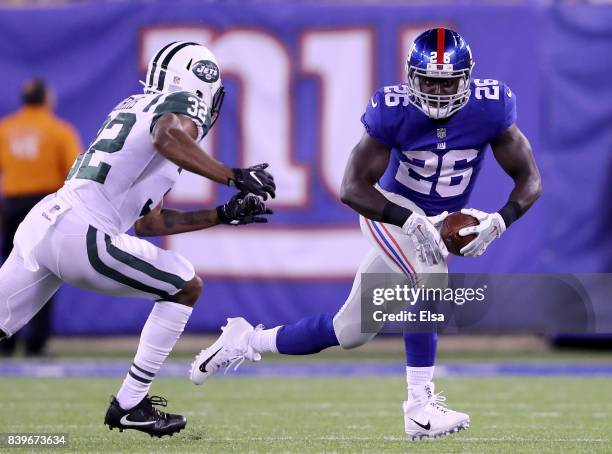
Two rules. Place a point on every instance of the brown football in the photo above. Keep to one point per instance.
(450, 231)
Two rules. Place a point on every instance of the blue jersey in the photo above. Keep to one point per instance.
(434, 163)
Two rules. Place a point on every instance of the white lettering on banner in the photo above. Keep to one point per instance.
(263, 66)
(273, 252)
(343, 60)
(338, 58)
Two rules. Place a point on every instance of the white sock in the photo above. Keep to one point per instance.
(264, 340)
(159, 334)
(417, 378)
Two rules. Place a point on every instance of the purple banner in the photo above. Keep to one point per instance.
(298, 78)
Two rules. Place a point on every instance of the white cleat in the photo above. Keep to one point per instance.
(429, 417)
(232, 347)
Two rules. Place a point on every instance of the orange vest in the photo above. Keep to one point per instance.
(37, 150)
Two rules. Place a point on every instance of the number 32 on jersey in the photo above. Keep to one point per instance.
(110, 139)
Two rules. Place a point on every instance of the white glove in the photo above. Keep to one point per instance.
(490, 227)
(426, 238)
(438, 219)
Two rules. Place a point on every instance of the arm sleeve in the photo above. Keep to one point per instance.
(376, 121)
(185, 103)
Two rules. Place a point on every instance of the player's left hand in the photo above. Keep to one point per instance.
(438, 219)
(243, 209)
(490, 227)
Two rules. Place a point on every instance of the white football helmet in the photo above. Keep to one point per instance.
(187, 66)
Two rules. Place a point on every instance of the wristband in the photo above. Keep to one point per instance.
(510, 212)
(395, 214)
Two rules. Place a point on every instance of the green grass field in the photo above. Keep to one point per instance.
(239, 414)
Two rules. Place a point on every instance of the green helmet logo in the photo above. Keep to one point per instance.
(206, 71)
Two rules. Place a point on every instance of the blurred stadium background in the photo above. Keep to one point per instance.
(298, 76)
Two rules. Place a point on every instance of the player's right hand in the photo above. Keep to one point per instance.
(243, 209)
(490, 227)
(254, 179)
(426, 238)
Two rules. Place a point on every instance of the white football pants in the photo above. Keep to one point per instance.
(74, 252)
(392, 252)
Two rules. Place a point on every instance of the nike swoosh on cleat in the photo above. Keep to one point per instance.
(424, 426)
(205, 363)
(127, 422)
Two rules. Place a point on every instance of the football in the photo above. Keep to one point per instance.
(450, 231)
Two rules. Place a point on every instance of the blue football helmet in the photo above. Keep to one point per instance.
(439, 53)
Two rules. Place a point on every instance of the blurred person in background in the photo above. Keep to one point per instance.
(37, 149)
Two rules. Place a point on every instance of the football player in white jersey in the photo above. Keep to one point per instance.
(78, 234)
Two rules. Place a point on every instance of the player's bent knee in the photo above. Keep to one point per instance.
(349, 340)
(349, 344)
(189, 295)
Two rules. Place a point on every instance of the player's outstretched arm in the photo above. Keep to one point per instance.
(240, 209)
(174, 137)
(159, 222)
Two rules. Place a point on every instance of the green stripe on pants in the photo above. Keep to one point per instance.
(100, 267)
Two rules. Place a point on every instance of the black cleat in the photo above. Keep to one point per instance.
(144, 417)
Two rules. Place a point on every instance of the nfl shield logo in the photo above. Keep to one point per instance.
(441, 133)
(176, 80)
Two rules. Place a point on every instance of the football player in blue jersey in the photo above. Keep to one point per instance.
(418, 159)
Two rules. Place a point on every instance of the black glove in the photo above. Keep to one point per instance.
(243, 209)
(255, 180)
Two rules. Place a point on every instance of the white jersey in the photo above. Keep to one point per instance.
(121, 176)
